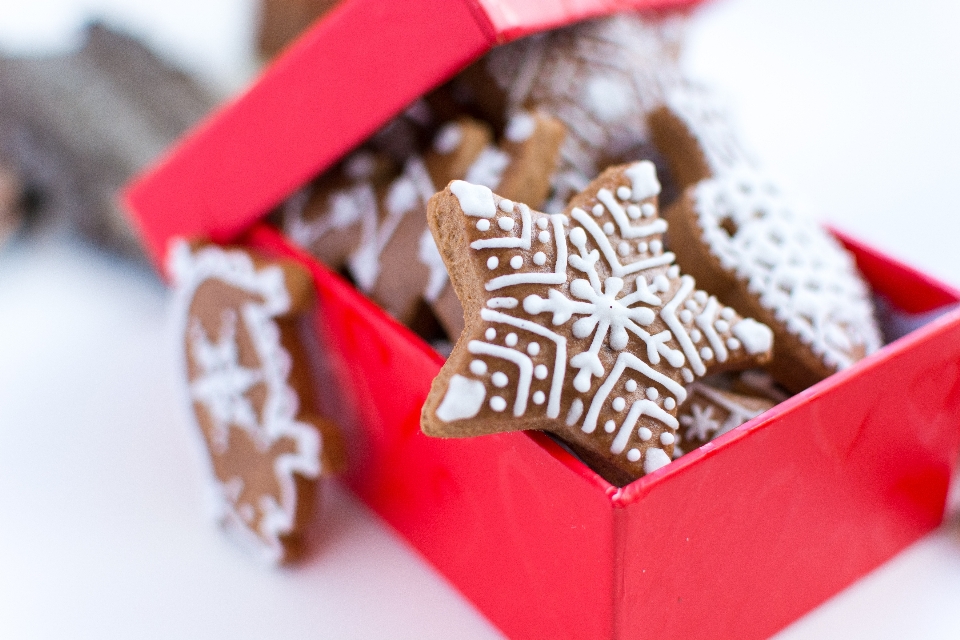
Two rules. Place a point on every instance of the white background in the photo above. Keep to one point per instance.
(102, 533)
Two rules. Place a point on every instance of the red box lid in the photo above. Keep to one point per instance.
(355, 69)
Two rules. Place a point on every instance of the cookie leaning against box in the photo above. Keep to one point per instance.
(577, 323)
(246, 381)
(744, 241)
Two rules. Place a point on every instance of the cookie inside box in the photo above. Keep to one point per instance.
(511, 123)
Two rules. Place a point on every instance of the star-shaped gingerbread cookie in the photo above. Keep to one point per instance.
(577, 323)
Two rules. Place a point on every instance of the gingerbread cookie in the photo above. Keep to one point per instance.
(695, 132)
(746, 243)
(709, 413)
(577, 323)
(246, 387)
(374, 224)
(600, 78)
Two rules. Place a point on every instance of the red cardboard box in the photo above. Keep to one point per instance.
(735, 539)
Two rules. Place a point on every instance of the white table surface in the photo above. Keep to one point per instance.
(103, 533)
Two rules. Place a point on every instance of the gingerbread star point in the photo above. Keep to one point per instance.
(577, 323)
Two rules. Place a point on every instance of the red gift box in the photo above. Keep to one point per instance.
(735, 539)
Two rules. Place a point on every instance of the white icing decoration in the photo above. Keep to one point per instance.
(475, 200)
(226, 382)
(499, 379)
(478, 367)
(490, 333)
(488, 168)
(644, 433)
(609, 426)
(667, 438)
(655, 459)
(520, 127)
(669, 404)
(493, 262)
(539, 259)
(619, 404)
(544, 236)
(576, 410)
(652, 393)
(430, 256)
(755, 337)
(633, 455)
(643, 179)
(516, 262)
(524, 364)
(505, 205)
(539, 397)
(463, 399)
(498, 404)
(483, 224)
(631, 386)
(448, 138)
(533, 348)
(795, 269)
(502, 303)
(511, 340)
(506, 223)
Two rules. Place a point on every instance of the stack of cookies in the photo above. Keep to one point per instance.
(611, 261)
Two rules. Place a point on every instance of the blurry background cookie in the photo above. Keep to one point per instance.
(78, 126)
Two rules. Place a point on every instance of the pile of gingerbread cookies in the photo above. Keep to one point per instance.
(611, 262)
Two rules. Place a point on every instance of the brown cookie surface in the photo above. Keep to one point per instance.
(247, 393)
(577, 323)
(709, 413)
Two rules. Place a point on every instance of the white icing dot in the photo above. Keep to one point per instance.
(662, 283)
(685, 316)
(721, 325)
(511, 340)
(499, 379)
(647, 209)
(483, 224)
(633, 455)
(631, 386)
(656, 246)
(540, 372)
(539, 258)
(706, 353)
(652, 393)
(597, 210)
(619, 404)
(687, 375)
(727, 313)
(609, 426)
(520, 127)
(498, 404)
(608, 228)
(533, 348)
(578, 236)
(448, 138)
(506, 206)
(544, 236)
(673, 272)
(538, 397)
(695, 335)
(490, 333)
(733, 344)
(516, 262)
(642, 247)
(669, 403)
(633, 211)
(644, 433)
(700, 296)
(667, 438)
(505, 223)
(690, 304)
(478, 367)
(624, 193)
(542, 223)
(493, 262)
(623, 248)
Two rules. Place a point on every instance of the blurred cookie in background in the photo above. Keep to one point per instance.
(281, 21)
(76, 127)
(11, 201)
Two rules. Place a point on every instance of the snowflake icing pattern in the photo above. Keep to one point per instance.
(590, 293)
